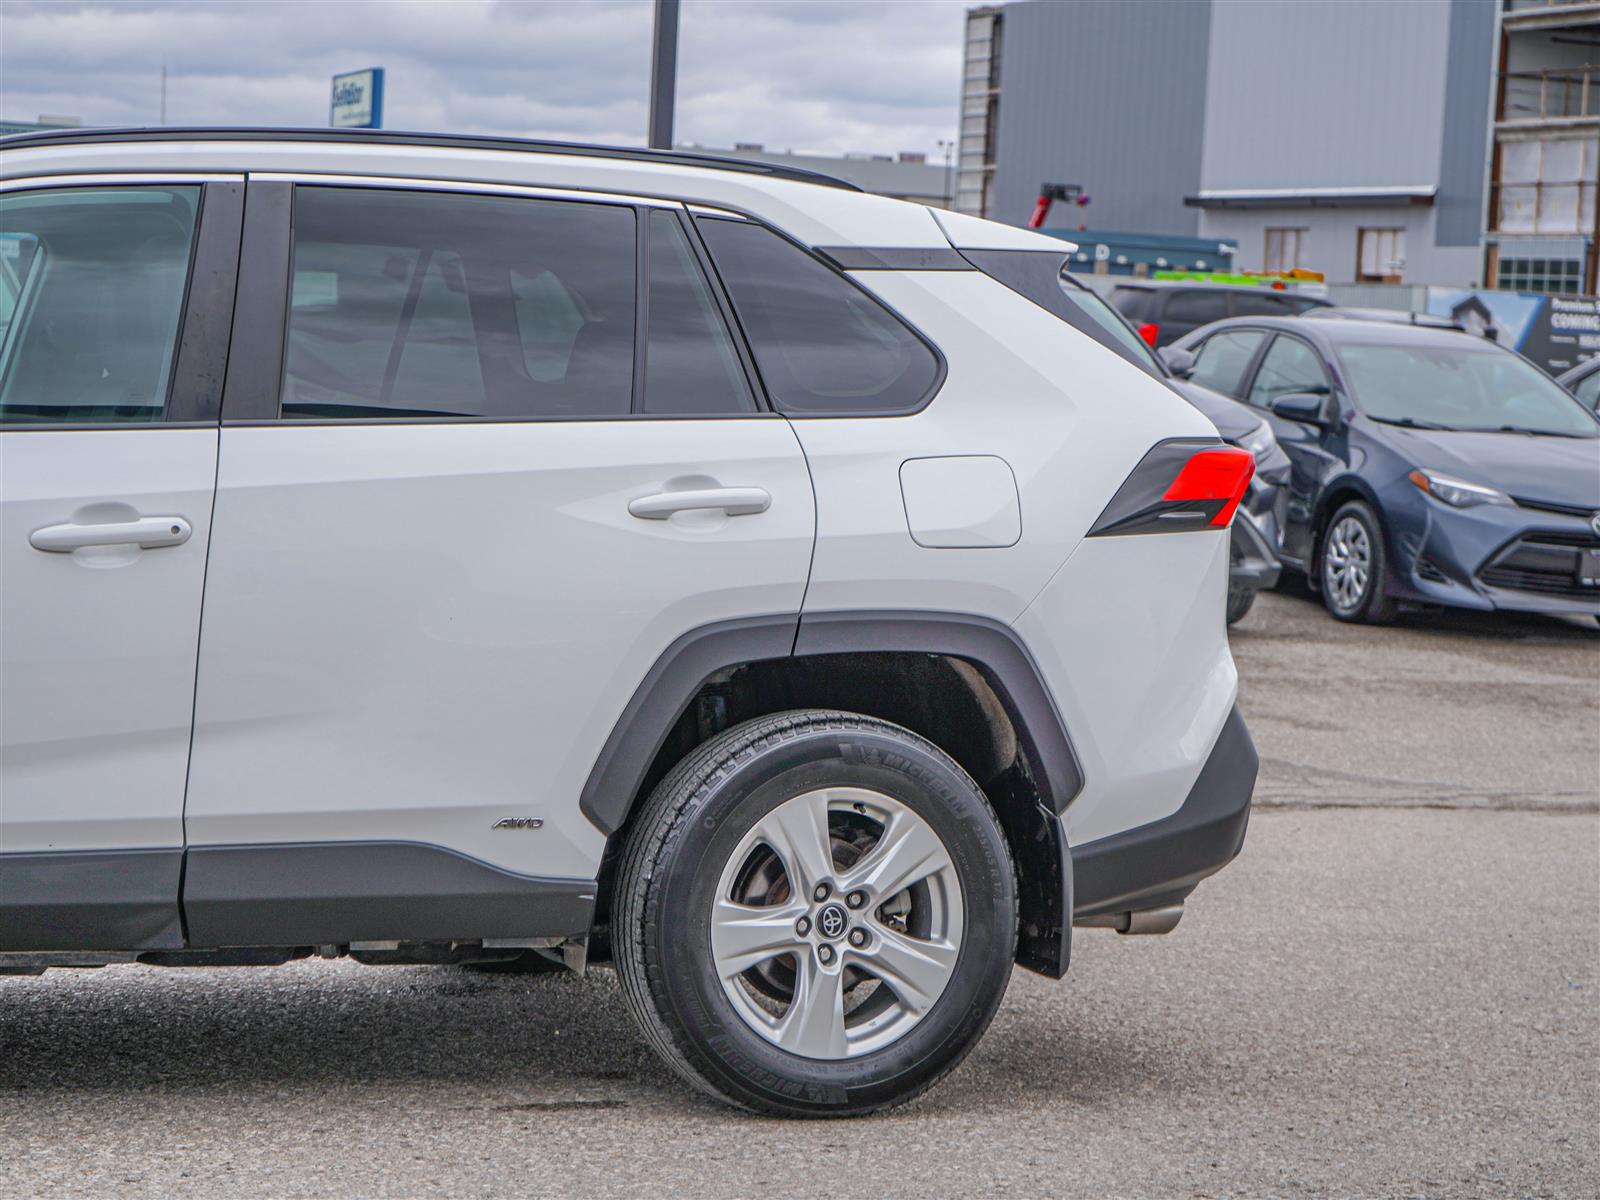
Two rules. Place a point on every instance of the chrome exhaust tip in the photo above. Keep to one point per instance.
(1149, 920)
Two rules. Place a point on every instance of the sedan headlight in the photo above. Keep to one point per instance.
(1260, 442)
(1457, 493)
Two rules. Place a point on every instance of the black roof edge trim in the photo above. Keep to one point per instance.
(685, 665)
(397, 137)
(894, 258)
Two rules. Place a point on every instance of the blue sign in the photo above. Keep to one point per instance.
(357, 101)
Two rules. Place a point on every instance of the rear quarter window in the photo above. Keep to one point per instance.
(1196, 308)
(823, 346)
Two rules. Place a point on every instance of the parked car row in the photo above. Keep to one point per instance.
(1425, 466)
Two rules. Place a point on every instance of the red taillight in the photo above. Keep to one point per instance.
(1149, 331)
(1182, 484)
(1220, 474)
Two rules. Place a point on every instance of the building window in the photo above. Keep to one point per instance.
(1546, 185)
(1380, 255)
(1283, 250)
(1558, 276)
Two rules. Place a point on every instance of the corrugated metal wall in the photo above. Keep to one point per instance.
(1307, 93)
(1107, 95)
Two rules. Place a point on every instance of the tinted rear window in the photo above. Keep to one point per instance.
(435, 304)
(1132, 303)
(1260, 304)
(822, 345)
(1196, 308)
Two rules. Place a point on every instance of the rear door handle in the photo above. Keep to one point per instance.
(149, 533)
(735, 501)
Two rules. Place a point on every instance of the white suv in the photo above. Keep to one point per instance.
(468, 551)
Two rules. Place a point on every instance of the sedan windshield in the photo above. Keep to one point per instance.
(1471, 386)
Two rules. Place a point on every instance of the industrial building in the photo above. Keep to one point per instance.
(1542, 232)
(1349, 139)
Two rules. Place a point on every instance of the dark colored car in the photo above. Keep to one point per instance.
(1583, 381)
(1257, 528)
(1164, 310)
(1427, 466)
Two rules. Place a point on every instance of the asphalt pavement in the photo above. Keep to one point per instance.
(1394, 992)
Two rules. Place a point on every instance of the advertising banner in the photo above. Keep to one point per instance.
(1556, 332)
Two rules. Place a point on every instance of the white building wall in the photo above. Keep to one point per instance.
(1329, 243)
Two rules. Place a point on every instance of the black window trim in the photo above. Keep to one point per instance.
(253, 395)
(201, 344)
(941, 366)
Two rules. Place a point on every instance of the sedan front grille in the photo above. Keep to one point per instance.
(1548, 563)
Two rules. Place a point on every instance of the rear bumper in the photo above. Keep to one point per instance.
(1160, 863)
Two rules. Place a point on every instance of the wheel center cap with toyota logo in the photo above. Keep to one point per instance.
(831, 921)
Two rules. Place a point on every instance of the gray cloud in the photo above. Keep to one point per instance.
(821, 75)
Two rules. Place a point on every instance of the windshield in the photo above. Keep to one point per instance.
(1103, 315)
(1471, 386)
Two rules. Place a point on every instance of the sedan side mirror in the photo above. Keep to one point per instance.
(1179, 362)
(1310, 408)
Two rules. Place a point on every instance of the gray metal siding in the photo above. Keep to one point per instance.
(1466, 124)
(1325, 93)
(1107, 95)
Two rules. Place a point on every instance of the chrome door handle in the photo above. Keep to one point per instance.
(149, 533)
(735, 501)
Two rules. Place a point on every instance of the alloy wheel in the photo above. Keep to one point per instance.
(837, 923)
(1347, 563)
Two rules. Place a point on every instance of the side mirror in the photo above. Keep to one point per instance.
(1179, 362)
(1310, 408)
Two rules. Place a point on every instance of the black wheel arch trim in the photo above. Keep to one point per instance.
(686, 665)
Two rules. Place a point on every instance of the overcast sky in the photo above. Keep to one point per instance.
(813, 75)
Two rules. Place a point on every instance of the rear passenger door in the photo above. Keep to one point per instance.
(115, 296)
(512, 452)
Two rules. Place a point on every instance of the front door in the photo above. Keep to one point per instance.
(107, 466)
(1291, 367)
(496, 480)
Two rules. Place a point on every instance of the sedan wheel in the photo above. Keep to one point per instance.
(1353, 566)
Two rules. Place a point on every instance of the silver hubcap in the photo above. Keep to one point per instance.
(837, 923)
(1347, 563)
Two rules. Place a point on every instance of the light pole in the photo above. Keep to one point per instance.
(663, 74)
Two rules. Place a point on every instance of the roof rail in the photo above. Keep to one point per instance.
(394, 137)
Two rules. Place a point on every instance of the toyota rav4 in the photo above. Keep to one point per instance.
(454, 550)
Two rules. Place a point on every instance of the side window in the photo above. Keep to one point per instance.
(1588, 390)
(92, 283)
(823, 345)
(1132, 303)
(420, 304)
(690, 362)
(1288, 366)
(1260, 304)
(1195, 308)
(1222, 360)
